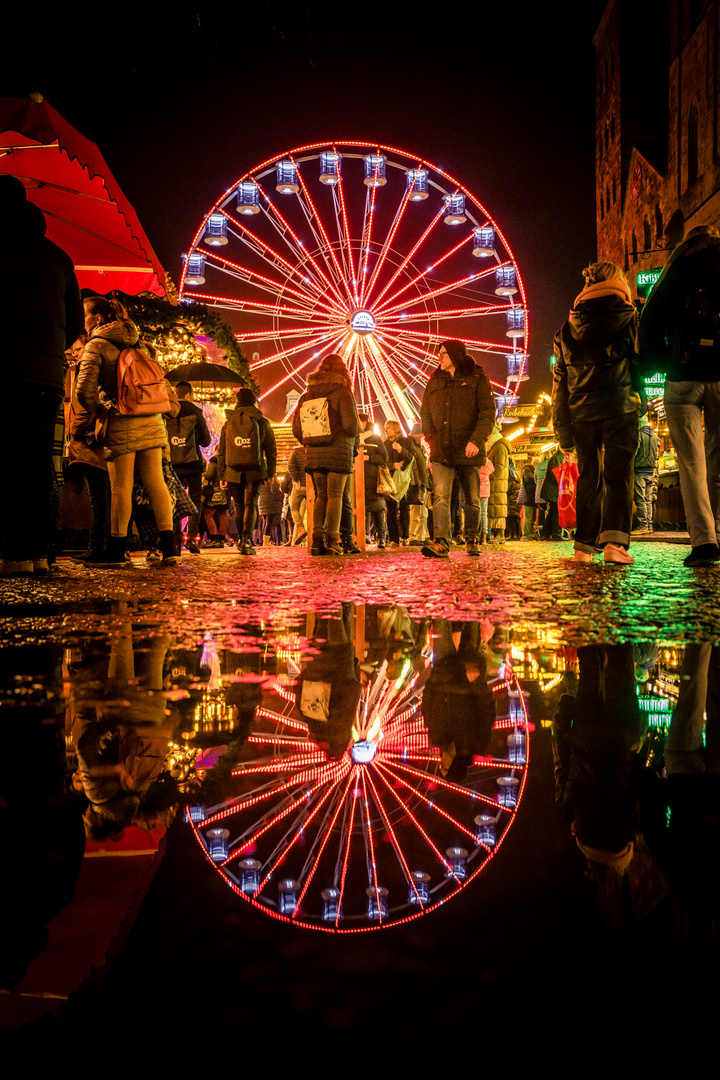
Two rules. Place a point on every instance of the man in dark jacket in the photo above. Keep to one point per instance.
(247, 455)
(680, 334)
(42, 315)
(187, 432)
(458, 412)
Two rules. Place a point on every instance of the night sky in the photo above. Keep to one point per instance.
(182, 102)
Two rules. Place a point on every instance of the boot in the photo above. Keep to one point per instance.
(114, 555)
(267, 542)
(169, 551)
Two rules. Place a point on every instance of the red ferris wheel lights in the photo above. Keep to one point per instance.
(408, 257)
(442, 782)
(448, 313)
(384, 309)
(287, 228)
(385, 767)
(314, 216)
(314, 338)
(367, 237)
(281, 763)
(369, 835)
(328, 833)
(268, 284)
(388, 243)
(345, 240)
(423, 297)
(289, 352)
(394, 839)
(268, 254)
(353, 779)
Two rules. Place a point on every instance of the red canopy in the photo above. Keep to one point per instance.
(86, 212)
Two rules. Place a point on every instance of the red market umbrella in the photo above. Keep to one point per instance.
(86, 212)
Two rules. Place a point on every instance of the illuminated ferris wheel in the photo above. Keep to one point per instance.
(365, 251)
(369, 835)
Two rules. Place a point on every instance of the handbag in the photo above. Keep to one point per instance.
(567, 475)
(385, 485)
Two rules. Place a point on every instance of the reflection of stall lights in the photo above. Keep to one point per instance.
(549, 685)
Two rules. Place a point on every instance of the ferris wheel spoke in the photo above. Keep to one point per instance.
(448, 313)
(311, 864)
(429, 802)
(326, 247)
(394, 840)
(312, 338)
(281, 718)
(387, 244)
(345, 240)
(261, 281)
(386, 307)
(380, 770)
(392, 390)
(297, 368)
(405, 262)
(369, 843)
(448, 785)
(301, 823)
(401, 342)
(318, 278)
(424, 297)
(366, 239)
(257, 307)
(272, 257)
(289, 332)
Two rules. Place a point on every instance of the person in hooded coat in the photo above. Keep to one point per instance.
(457, 413)
(329, 458)
(42, 316)
(244, 479)
(595, 409)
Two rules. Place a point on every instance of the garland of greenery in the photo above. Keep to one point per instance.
(172, 327)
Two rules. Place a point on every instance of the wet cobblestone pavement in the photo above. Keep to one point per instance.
(656, 599)
(214, 778)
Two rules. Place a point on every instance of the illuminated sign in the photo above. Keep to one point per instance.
(655, 384)
(521, 410)
(362, 322)
(646, 279)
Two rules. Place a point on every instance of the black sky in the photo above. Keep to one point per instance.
(182, 101)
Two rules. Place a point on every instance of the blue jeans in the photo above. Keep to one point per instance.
(469, 477)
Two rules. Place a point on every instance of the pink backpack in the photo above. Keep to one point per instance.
(141, 384)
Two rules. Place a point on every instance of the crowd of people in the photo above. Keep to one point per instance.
(136, 442)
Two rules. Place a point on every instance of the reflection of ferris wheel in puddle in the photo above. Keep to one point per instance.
(365, 251)
(373, 837)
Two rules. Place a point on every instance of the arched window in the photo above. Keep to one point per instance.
(614, 190)
(692, 143)
(634, 247)
(627, 262)
(647, 235)
(659, 226)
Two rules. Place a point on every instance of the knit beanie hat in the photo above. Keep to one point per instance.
(245, 396)
(456, 351)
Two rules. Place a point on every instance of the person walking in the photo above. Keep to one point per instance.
(374, 456)
(400, 462)
(129, 439)
(644, 476)
(595, 409)
(187, 432)
(326, 423)
(680, 334)
(457, 413)
(247, 455)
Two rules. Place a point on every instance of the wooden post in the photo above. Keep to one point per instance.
(360, 632)
(359, 500)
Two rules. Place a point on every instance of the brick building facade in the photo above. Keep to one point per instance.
(657, 146)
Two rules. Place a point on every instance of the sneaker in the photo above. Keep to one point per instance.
(705, 555)
(334, 547)
(583, 557)
(152, 557)
(246, 546)
(618, 555)
(193, 547)
(473, 548)
(438, 549)
(16, 568)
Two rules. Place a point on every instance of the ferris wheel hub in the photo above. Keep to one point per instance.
(362, 322)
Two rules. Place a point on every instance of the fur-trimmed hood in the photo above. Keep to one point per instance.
(322, 378)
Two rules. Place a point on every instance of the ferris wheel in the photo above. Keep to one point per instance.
(365, 251)
(366, 836)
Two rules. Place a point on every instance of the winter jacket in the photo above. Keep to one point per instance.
(526, 495)
(550, 488)
(96, 384)
(40, 301)
(595, 365)
(267, 447)
(271, 498)
(187, 432)
(339, 455)
(486, 472)
(647, 452)
(457, 409)
(296, 466)
(680, 324)
(78, 423)
(513, 491)
(499, 454)
(374, 455)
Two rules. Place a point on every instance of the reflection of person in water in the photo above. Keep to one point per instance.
(328, 688)
(596, 745)
(122, 740)
(681, 816)
(458, 706)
